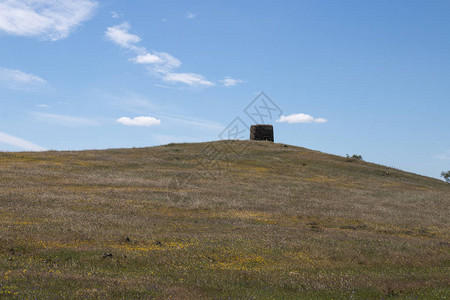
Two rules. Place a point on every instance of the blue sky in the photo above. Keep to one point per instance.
(348, 77)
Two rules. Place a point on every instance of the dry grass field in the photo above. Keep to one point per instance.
(181, 221)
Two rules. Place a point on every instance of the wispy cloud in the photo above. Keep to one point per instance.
(129, 101)
(16, 79)
(192, 121)
(300, 118)
(139, 121)
(46, 19)
(190, 15)
(18, 142)
(166, 87)
(160, 64)
(443, 156)
(115, 15)
(43, 106)
(19, 76)
(229, 82)
(119, 34)
(187, 78)
(63, 119)
(135, 103)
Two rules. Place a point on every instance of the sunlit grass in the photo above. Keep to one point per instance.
(274, 222)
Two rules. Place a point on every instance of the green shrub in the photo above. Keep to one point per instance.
(446, 176)
(354, 157)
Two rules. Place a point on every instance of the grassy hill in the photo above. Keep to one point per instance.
(218, 220)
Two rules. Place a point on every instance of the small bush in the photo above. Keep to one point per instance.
(446, 176)
(354, 157)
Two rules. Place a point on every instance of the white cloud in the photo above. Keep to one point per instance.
(191, 79)
(160, 64)
(228, 81)
(166, 87)
(46, 19)
(116, 15)
(139, 121)
(147, 58)
(18, 80)
(167, 63)
(157, 63)
(119, 35)
(193, 121)
(135, 103)
(190, 15)
(63, 119)
(17, 142)
(300, 118)
(320, 120)
(42, 105)
(16, 76)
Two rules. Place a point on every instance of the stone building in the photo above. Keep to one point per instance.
(261, 133)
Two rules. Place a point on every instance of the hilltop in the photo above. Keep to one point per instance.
(219, 220)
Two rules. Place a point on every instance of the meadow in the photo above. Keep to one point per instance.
(219, 220)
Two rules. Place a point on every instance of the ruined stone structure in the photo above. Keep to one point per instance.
(261, 133)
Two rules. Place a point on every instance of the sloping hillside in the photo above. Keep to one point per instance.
(219, 220)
